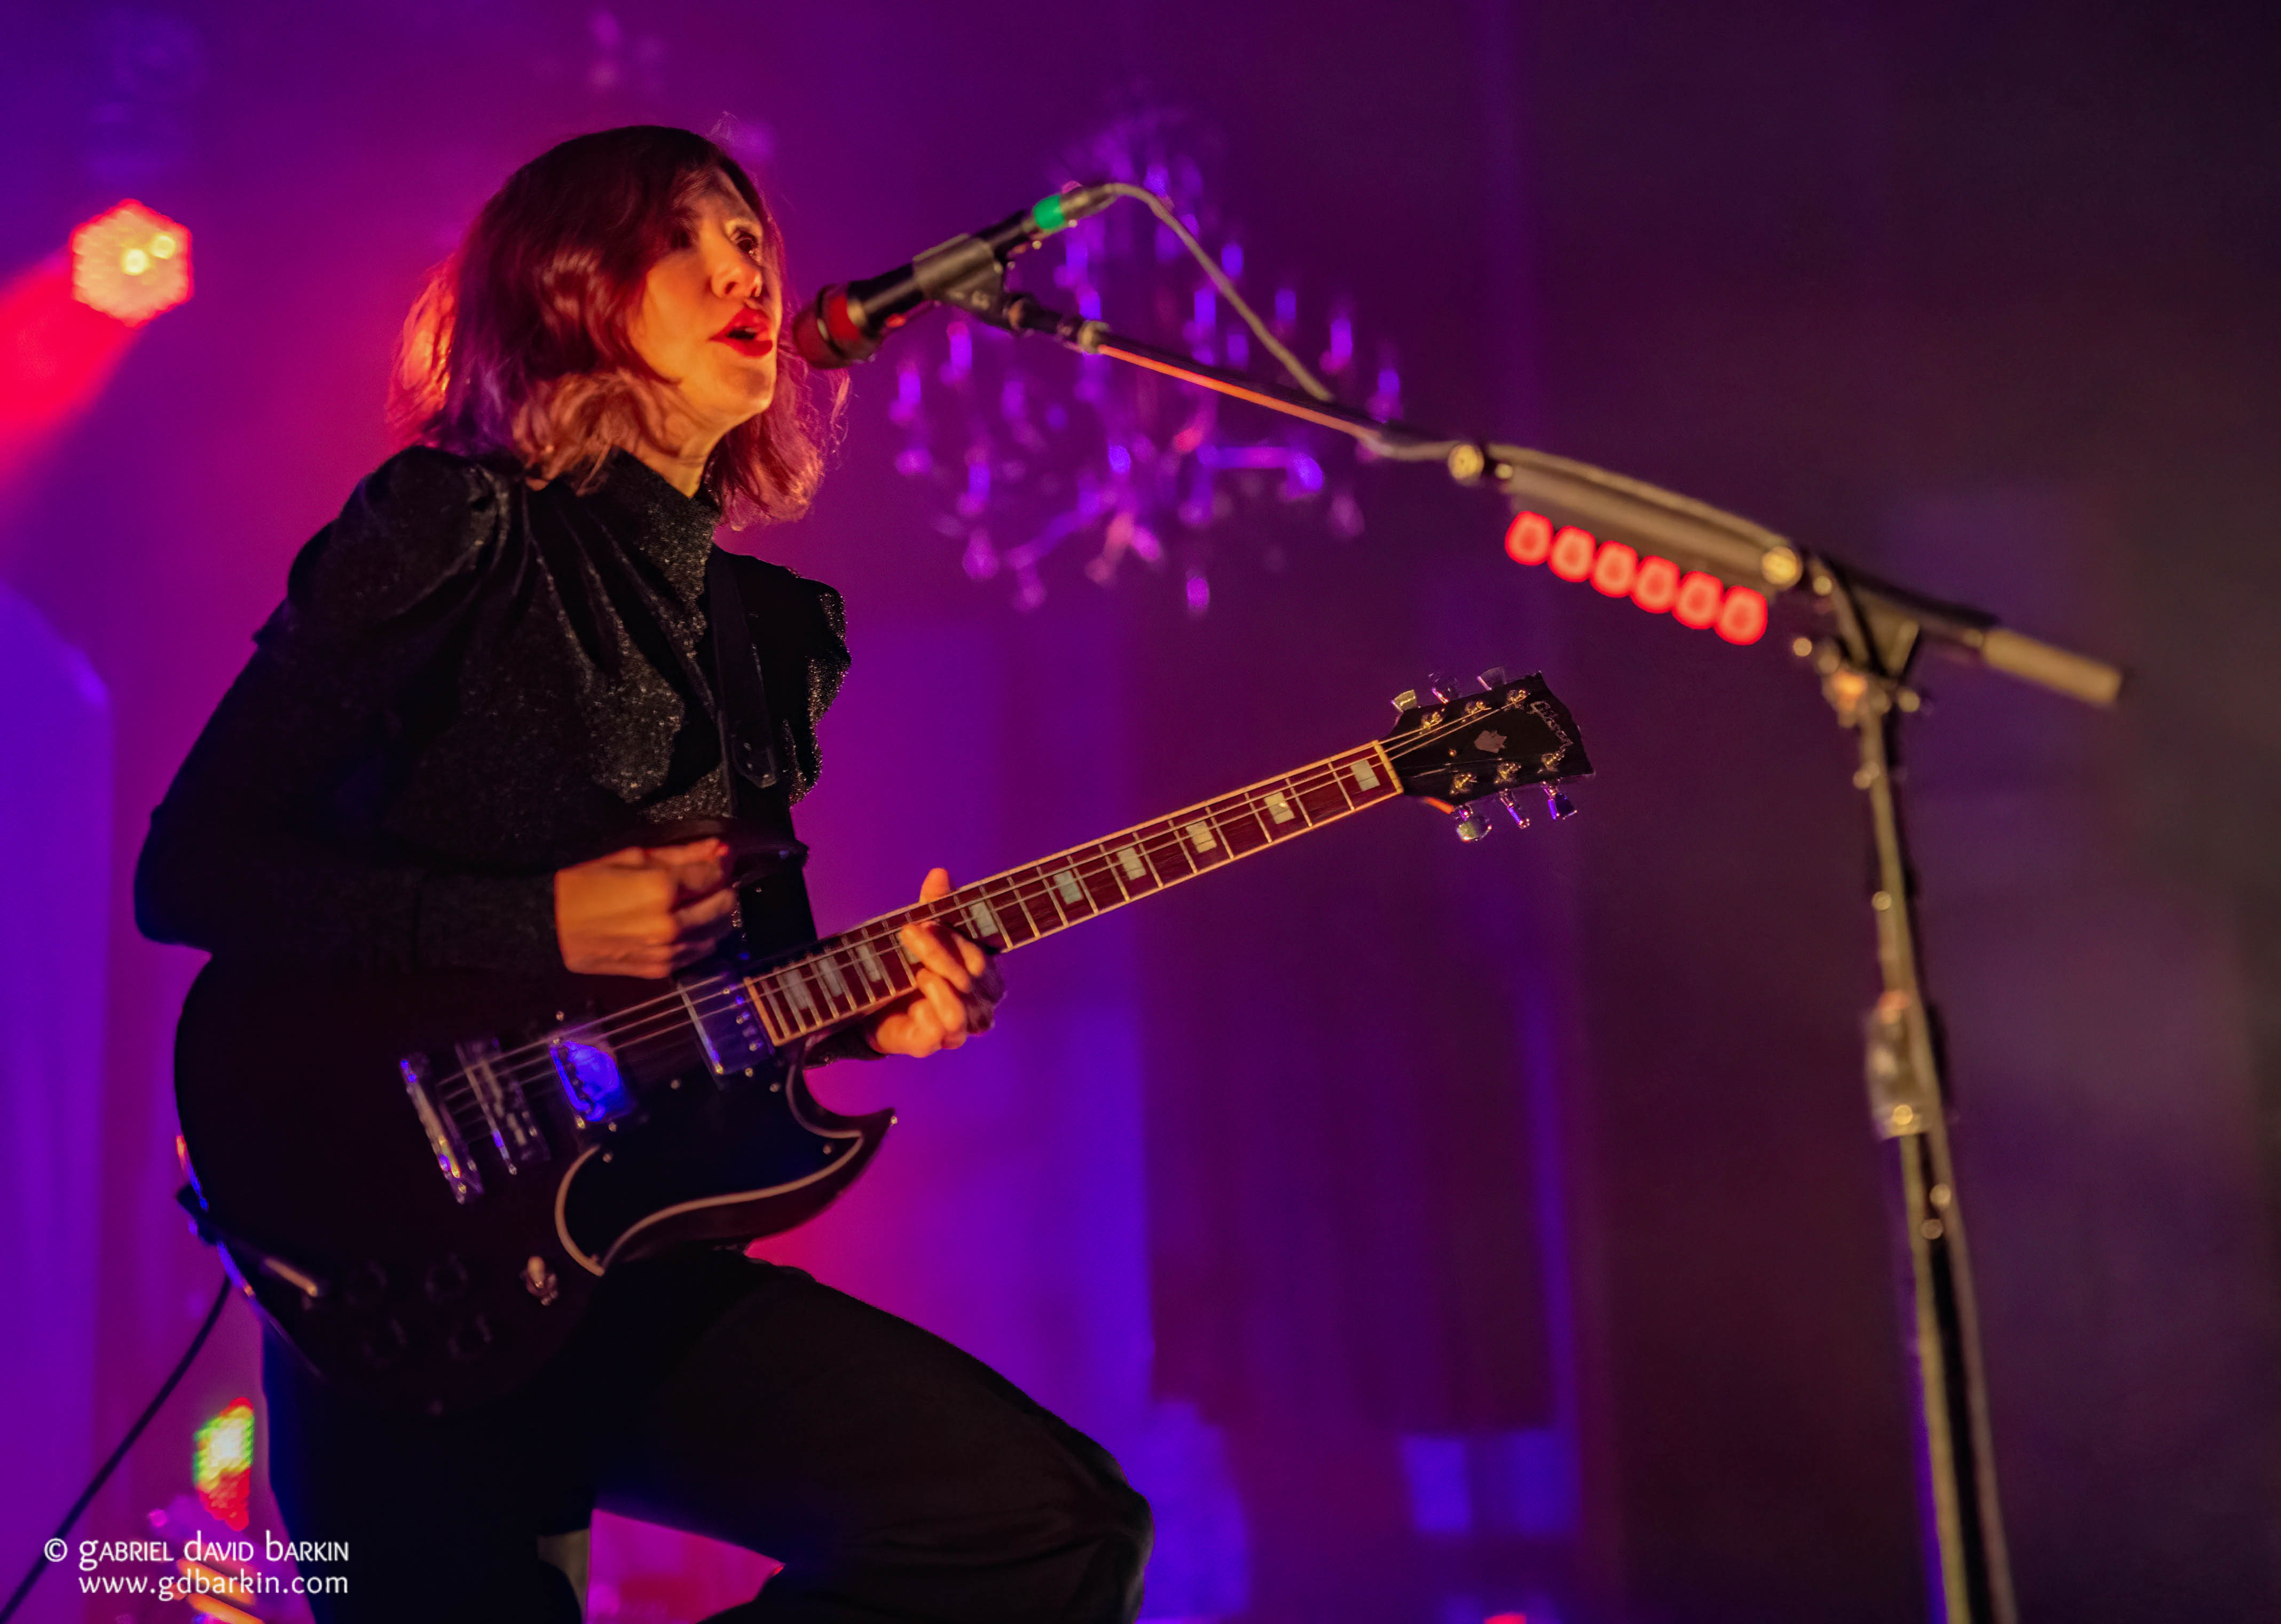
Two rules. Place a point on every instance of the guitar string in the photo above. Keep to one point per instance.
(1028, 888)
(1030, 885)
(1027, 891)
(667, 1007)
(643, 1022)
(665, 1014)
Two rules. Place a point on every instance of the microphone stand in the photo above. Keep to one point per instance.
(1875, 633)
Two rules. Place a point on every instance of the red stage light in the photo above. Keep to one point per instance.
(1528, 538)
(1656, 587)
(56, 355)
(1612, 571)
(131, 263)
(1698, 600)
(1571, 553)
(1742, 617)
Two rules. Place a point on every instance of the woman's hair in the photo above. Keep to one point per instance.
(519, 343)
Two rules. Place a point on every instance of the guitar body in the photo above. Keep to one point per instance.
(321, 1173)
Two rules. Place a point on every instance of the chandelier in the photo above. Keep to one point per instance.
(1047, 465)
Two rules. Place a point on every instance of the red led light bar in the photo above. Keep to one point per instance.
(131, 263)
(1615, 571)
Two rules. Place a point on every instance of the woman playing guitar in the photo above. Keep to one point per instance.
(472, 737)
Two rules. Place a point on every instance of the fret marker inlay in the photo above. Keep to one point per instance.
(1065, 883)
(1363, 778)
(1201, 837)
(1278, 807)
(1131, 862)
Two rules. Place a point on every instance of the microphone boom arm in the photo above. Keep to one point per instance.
(1737, 550)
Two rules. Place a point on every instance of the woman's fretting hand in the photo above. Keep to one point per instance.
(644, 911)
(957, 991)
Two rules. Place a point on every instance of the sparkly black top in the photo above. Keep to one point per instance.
(469, 685)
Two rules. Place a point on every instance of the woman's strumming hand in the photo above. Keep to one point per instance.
(957, 991)
(644, 911)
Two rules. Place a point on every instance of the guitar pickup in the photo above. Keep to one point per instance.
(507, 1113)
(728, 1024)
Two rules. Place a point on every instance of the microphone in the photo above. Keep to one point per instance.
(847, 321)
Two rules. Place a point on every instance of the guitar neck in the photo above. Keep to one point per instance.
(845, 976)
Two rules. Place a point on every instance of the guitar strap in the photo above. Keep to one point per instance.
(775, 908)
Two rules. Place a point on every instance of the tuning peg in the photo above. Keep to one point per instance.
(1558, 804)
(1406, 700)
(1472, 825)
(1442, 688)
(1505, 800)
(1494, 678)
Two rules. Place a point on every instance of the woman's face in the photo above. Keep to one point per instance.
(708, 314)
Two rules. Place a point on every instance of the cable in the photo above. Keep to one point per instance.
(1742, 550)
(1161, 209)
(40, 1564)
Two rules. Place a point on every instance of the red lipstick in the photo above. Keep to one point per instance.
(747, 334)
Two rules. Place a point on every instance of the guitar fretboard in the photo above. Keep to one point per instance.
(849, 975)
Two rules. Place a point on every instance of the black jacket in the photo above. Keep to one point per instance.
(469, 685)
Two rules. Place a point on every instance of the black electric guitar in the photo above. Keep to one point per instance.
(422, 1177)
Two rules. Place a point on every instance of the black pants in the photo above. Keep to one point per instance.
(895, 1477)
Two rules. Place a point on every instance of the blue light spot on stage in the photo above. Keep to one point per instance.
(1528, 1478)
(1441, 1497)
(590, 1077)
(1520, 1482)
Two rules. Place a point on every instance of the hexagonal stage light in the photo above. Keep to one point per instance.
(131, 262)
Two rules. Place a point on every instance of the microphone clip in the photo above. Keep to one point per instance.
(965, 271)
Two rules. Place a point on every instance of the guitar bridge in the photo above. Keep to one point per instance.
(443, 1131)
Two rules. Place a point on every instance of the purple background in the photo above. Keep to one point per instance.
(1435, 1232)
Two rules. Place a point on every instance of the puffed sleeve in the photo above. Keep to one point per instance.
(799, 629)
(244, 857)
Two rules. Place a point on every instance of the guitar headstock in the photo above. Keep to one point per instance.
(1459, 751)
